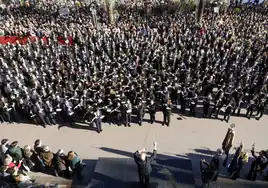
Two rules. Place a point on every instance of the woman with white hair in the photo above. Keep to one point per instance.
(28, 155)
(47, 156)
(144, 165)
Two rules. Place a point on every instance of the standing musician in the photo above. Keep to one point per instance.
(166, 109)
(68, 111)
(97, 119)
(206, 105)
(228, 111)
(228, 142)
(49, 113)
(238, 107)
(218, 105)
(193, 103)
(152, 111)
(139, 110)
(183, 95)
(39, 113)
(128, 111)
(6, 110)
(261, 107)
(250, 109)
(107, 112)
(117, 112)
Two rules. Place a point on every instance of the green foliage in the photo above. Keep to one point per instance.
(237, 10)
(187, 5)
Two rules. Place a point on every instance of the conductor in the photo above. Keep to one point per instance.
(144, 165)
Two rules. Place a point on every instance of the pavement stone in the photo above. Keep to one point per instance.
(188, 137)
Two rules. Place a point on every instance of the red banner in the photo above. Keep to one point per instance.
(23, 40)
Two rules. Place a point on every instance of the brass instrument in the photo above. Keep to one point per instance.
(129, 108)
(69, 109)
(7, 107)
(97, 115)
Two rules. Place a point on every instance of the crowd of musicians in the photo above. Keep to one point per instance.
(236, 164)
(141, 64)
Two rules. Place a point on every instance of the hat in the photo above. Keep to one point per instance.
(7, 160)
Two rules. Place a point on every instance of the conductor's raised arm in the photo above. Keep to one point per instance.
(153, 156)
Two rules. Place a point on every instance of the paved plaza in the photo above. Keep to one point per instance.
(186, 137)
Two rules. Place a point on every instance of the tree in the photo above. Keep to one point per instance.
(110, 9)
(199, 10)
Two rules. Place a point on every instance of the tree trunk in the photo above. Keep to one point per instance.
(199, 11)
(110, 9)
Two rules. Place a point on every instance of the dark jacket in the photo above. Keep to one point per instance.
(144, 167)
(61, 163)
(15, 153)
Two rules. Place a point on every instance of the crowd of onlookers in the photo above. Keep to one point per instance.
(235, 164)
(16, 161)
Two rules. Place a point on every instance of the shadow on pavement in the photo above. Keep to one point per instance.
(179, 167)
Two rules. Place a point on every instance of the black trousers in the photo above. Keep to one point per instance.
(140, 117)
(252, 175)
(166, 118)
(41, 119)
(127, 119)
(192, 110)
(206, 109)
(249, 112)
(260, 111)
(50, 118)
(98, 125)
(152, 117)
(6, 116)
(144, 180)
(183, 106)
(227, 116)
(118, 118)
(226, 159)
